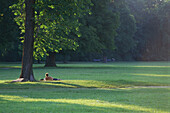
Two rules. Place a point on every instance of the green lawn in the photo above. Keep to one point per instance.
(88, 87)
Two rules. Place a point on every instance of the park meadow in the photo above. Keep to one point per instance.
(134, 87)
(102, 56)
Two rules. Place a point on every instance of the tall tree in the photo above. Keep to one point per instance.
(124, 40)
(163, 34)
(54, 20)
(98, 30)
(27, 58)
(45, 27)
(106, 24)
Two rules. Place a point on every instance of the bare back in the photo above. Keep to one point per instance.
(48, 78)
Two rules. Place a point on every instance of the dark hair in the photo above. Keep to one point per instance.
(46, 74)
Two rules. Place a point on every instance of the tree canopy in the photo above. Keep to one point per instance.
(54, 20)
(99, 29)
(151, 36)
(47, 18)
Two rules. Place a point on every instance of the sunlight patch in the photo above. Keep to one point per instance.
(154, 75)
(154, 66)
(86, 102)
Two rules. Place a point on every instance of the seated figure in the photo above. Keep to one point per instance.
(47, 77)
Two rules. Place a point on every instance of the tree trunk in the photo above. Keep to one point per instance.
(27, 57)
(104, 55)
(105, 59)
(50, 60)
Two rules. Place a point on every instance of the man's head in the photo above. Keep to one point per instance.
(46, 74)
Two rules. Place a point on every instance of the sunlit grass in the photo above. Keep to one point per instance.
(153, 75)
(88, 87)
(97, 75)
(85, 102)
(154, 66)
(67, 100)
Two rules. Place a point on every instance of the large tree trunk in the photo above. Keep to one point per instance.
(27, 58)
(50, 59)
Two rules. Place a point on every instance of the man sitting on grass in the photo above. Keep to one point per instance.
(47, 77)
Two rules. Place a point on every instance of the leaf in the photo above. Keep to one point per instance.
(51, 6)
(15, 14)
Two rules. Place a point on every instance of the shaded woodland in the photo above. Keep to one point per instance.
(126, 30)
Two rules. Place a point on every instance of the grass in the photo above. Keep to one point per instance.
(88, 87)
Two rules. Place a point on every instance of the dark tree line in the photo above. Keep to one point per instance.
(141, 28)
(123, 29)
(153, 33)
(10, 46)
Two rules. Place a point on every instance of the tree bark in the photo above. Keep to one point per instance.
(50, 60)
(27, 57)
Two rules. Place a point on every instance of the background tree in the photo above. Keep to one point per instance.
(98, 30)
(164, 15)
(106, 25)
(9, 33)
(124, 41)
(148, 35)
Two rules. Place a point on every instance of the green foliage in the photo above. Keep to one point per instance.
(123, 29)
(124, 40)
(151, 32)
(9, 33)
(90, 38)
(163, 16)
(106, 23)
(98, 30)
(54, 21)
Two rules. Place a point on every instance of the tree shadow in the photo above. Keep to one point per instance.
(39, 84)
(67, 84)
(78, 84)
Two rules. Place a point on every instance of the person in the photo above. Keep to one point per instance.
(47, 77)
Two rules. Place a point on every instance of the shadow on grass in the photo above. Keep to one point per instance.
(67, 84)
(29, 85)
(89, 67)
(76, 84)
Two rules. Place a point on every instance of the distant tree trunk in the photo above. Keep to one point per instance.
(104, 56)
(50, 60)
(27, 58)
(105, 59)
